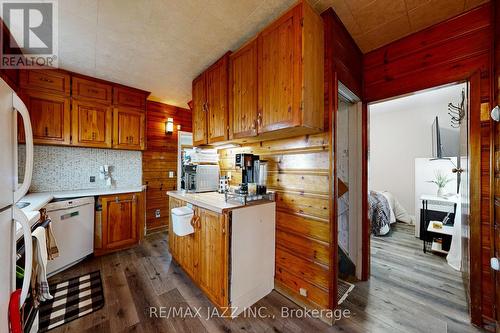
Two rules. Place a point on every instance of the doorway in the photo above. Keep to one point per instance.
(470, 204)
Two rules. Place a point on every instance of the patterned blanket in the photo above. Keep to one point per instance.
(379, 213)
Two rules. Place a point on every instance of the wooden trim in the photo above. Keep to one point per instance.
(475, 197)
(365, 227)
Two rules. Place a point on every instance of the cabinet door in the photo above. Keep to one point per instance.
(91, 124)
(128, 129)
(217, 99)
(120, 228)
(199, 111)
(51, 81)
(243, 92)
(50, 117)
(93, 90)
(129, 98)
(213, 274)
(279, 58)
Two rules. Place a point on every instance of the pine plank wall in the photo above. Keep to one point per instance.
(159, 158)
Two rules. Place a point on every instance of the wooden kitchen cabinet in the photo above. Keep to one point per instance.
(119, 223)
(204, 254)
(50, 117)
(129, 98)
(91, 124)
(243, 92)
(290, 73)
(199, 111)
(86, 89)
(213, 255)
(128, 129)
(217, 98)
(210, 104)
(51, 81)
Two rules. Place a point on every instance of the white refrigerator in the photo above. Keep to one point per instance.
(10, 193)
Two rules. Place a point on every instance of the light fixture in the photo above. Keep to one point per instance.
(495, 113)
(169, 126)
(227, 146)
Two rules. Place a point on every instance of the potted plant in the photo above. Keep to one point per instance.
(441, 180)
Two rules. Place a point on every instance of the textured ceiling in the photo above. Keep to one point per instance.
(374, 23)
(156, 45)
(161, 45)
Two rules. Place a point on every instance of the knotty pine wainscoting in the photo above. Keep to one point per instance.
(159, 158)
(298, 171)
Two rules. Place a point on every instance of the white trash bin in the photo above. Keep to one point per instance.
(181, 221)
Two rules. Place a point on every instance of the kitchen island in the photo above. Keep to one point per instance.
(230, 254)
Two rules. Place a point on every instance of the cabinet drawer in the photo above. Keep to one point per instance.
(48, 80)
(129, 98)
(88, 89)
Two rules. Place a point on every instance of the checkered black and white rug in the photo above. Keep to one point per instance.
(73, 299)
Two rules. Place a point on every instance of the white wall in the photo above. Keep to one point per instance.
(400, 131)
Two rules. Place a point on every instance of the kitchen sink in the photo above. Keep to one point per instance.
(22, 204)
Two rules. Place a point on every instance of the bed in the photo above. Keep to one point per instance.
(385, 210)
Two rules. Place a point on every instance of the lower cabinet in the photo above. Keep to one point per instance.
(119, 223)
(204, 254)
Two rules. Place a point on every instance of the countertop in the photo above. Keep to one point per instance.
(209, 200)
(39, 199)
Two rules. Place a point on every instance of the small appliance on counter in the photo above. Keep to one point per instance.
(200, 178)
(223, 184)
(253, 174)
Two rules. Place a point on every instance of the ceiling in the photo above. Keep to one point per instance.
(374, 23)
(162, 45)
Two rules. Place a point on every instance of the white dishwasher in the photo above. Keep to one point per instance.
(73, 227)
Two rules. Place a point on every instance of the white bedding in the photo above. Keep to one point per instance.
(398, 213)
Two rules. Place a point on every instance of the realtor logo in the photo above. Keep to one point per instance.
(31, 39)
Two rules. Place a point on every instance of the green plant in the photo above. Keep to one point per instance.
(441, 180)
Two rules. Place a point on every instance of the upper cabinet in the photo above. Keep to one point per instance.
(49, 115)
(72, 109)
(43, 80)
(130, 98)
(243, 92)
(128, 129)
(199, 111)
(276, 83)
(91, 124)
(91, 90)
(291, 74)
(210, 104)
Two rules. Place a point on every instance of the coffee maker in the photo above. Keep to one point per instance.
(253, 171)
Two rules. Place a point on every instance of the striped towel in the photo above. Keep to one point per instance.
(52, 250)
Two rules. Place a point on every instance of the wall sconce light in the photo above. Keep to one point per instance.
(169, 126)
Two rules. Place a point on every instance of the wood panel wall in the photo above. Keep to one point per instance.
(448, 52)
(159, 158)
(299, 173)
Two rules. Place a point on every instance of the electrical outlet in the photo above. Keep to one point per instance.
(170, 174)
(92, 179)
(303, 292)
(157, 214)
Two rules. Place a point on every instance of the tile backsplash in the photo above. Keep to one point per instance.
(70, 168)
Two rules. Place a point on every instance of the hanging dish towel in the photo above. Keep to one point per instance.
(39, 277)
(52, 250)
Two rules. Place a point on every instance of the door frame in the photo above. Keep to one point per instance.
(474, 191)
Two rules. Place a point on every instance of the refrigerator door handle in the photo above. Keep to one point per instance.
(20, 107)
(19, 216)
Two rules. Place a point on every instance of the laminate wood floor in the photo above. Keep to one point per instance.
(408, 292)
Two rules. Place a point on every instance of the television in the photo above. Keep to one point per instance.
(437, 148)
(445, 141)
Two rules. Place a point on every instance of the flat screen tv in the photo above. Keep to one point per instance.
(437, 148)
(445, 141)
